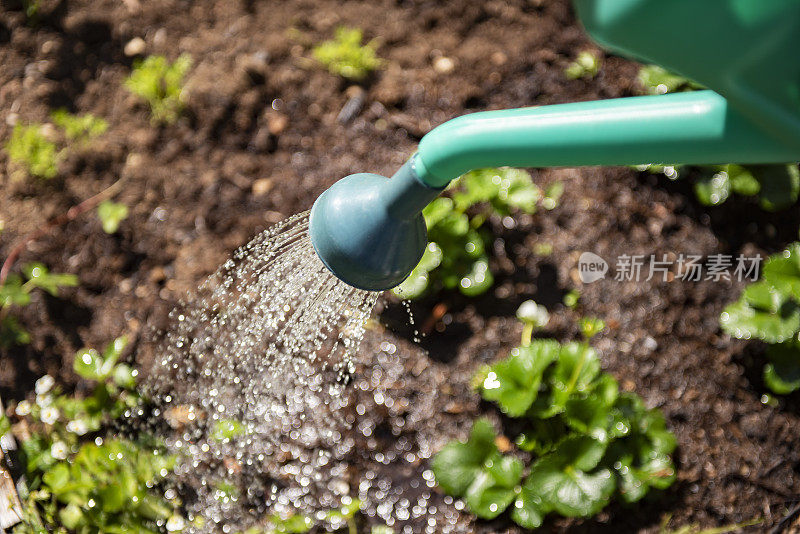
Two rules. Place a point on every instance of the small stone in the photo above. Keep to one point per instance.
(277, 123)
(135, 47)
(443, 65)
(261, 186)
(499, 58)
(12, 118)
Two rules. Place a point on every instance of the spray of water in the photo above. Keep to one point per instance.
(252, 386)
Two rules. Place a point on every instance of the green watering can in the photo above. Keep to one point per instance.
(369, 231)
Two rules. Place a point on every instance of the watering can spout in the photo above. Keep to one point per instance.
(696, 127)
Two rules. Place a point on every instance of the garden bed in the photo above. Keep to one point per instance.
(264, 134)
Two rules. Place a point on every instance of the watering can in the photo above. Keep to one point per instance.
(369, 231)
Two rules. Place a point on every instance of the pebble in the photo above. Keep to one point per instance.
(277, 123)
(135, 47)
(443, 65)
(262, 186)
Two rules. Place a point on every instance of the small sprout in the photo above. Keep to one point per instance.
(111, 214)
(346, 57)
(571, 298)
(657, 81)
(30, 148)
(160, 84)
(543, 249)
(591, 326)
(79, 128)
(586, 65)
(552, 195)
(293, 524)
(533, 317)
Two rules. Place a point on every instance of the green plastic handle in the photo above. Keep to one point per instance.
(690, 128)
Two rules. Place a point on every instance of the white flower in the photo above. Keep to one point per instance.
(59, 450)
(49, 415)
(23, 408)
(78, 427)
(44, 400)
(44, 384)
(175, 523)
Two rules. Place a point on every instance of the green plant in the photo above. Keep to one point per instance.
(77, 480)
(346, 57)
(29, 147)
(16, 292)
(571, 298)
(589, 443)
(111, 214)
(456, 256)
(160, 84)
(657, 80)
(769, 310)
(79, 128)
(586, 65)
(591, 326)
(777, 186)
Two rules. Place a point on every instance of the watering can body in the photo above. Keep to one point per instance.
(747, 52)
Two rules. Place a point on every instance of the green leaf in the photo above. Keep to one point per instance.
(57, 478)
(742, 180)
(111, 214)
(71, 517)
(112, 498)
(576, 367)
(529, 510)
(782, 271)
(346, 56)
(417, 282)
(123, 376)
(762, 313)
(563, 482)
(477, 280)
(658, 80)
(88, 364)
(780, 185)
(494, 488)
(782, 373)
(514, 382)
(586, 65)
(457, 465)
(714, 189)
(591, 326)
(40, 277)
(29, 147)
(227, 429)
(294, 524)
(12, 333)
(12, 292)
(591, 414)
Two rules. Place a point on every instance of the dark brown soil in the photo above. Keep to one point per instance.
(261, 139)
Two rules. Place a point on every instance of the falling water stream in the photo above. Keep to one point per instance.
(250, 388)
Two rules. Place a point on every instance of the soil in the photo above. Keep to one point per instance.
(263, 135)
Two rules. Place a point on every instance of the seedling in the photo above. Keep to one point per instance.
(346, 57)
(591, 326)
(457, 255)
(657, 80)
(111, 214)
(769, 310)
(160, 83)
(79, 128)
(76, 479)
(589, 442)
(778, 186)
(586, 65)
(30, 148)
(571, 298)
(16, 292)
